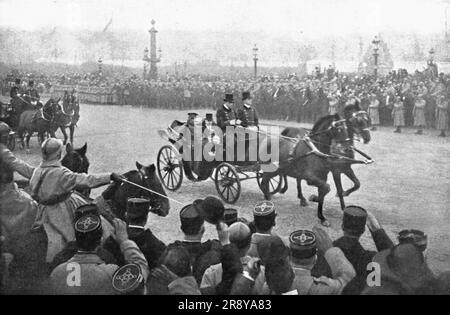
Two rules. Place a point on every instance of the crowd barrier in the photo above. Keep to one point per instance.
(86, 94)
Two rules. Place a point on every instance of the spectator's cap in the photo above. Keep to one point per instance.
(210, 209)
(30, 83)
(128, 279)
(88, 223)
(354, 220)
(137, 208)
(264, 208)
(230, 216)
(240, 234)
(190, 218)
(192, 115)
(17, 81)
(209, 117)
(246, 95)
(229, 98)
(272, 248)
(416, 237)
(302, 244)
(51, 148)
(85, 210)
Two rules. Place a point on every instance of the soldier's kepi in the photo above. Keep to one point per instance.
(303, 244)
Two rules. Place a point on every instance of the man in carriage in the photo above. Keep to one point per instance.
(32, 95)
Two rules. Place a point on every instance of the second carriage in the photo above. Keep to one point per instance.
(227, 175)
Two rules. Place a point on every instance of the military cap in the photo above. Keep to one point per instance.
(416, 237)
(264, 208)
(246, 95)
(354, 220)
(302, 244)
(137, 208)
(128, 279)
(88, 223)
(211, 209)
(190, 219)
(230, 216)
(271, 249)
(209, 117)
(192, 114)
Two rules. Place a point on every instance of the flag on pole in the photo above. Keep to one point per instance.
(108, 25)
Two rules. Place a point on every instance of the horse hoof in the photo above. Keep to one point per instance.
(303, 203)
(325, 223)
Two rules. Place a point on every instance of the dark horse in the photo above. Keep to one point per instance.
(358, 123)
(40, 121)
(67, 116)
(307, 157)
(117, 194)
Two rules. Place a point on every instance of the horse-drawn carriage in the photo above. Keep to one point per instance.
(6, 126)
(226, 174)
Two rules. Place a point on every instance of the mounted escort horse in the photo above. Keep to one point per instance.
(41, 121)
(358, 123)
(68, 115)
(307, 157)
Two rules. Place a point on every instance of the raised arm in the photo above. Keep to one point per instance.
(16, 164)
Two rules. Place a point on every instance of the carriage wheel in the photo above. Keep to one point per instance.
(275, 183)
(11, 142)
(170, 169)
(228, 183)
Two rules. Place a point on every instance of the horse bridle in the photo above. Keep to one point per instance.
(154, 206)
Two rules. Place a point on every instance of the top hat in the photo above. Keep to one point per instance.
(230, 216)
(209, 117)
(303, 244)
(137, 208)
(354, 220)
(210, 209)
(229, 98)
(246, 95)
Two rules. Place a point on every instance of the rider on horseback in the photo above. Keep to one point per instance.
(52, 185)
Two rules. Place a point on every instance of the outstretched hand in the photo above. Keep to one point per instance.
(117, 178)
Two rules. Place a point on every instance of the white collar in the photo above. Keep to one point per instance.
(226, 106)
(136, 226)
(247, 106)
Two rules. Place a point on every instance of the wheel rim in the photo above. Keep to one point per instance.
(169, 168)
(228, 183)
(275, 183)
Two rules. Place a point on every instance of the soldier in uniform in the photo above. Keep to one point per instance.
(136, 216)
(264, 216)
(247, 114)
(304, 246)
(32, 94)
(87, 271)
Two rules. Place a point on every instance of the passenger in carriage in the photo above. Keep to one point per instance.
(226, 115)
(247, 114)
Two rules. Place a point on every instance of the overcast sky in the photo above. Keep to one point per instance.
(312, 17)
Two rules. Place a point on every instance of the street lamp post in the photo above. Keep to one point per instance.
(154, 59)
(376, 54)
(100, 66)
(146, 60)
(255, 60)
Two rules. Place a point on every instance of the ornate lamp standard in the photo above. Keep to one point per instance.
(100, 66)
(255, 61)
(154, 59)
(146, 60)
(376, 43)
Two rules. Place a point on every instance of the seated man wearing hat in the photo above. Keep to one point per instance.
(240, 236)
(264, 220)
(304, 246)
(247, 114)
(136, 216)
(353, 226)
(86, 272)
(226, 115)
